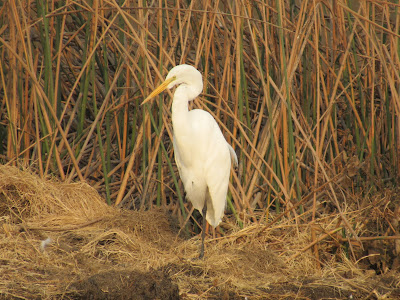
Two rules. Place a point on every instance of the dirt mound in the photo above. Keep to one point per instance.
(61, 240)
(126, 285)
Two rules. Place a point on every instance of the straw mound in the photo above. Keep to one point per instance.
(61, 240)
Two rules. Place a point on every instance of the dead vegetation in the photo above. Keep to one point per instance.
(307, 93)
(61, 240)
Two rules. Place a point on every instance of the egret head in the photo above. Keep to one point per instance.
(181, 75)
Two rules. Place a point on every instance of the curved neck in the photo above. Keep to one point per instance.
(180, 107)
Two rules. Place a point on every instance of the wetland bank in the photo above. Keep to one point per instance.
(91, 202)
(102, 252)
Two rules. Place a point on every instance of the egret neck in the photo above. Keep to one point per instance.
(180, 120)
(180, 107)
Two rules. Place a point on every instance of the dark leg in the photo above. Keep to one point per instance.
(203, 233)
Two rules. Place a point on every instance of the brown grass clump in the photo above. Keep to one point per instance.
(55, 233)
(60, 240)
(26, 196)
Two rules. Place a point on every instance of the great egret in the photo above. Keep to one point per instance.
(202, 154)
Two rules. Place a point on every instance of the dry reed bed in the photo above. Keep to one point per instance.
(305, 91)
(89, 237)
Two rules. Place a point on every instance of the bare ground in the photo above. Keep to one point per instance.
(60, 241)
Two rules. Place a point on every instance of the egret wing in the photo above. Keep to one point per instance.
(204, 158)
(214, 159)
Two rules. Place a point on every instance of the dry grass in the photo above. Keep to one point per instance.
(307, 92)
(88, 237)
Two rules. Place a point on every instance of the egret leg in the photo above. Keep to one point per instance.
(203, 233)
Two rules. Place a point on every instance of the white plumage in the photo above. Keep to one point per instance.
(202, 154)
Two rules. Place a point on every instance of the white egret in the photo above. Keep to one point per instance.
(202, 154)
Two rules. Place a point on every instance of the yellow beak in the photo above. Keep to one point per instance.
(158, 90)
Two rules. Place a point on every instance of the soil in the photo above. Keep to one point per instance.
(136, 285)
